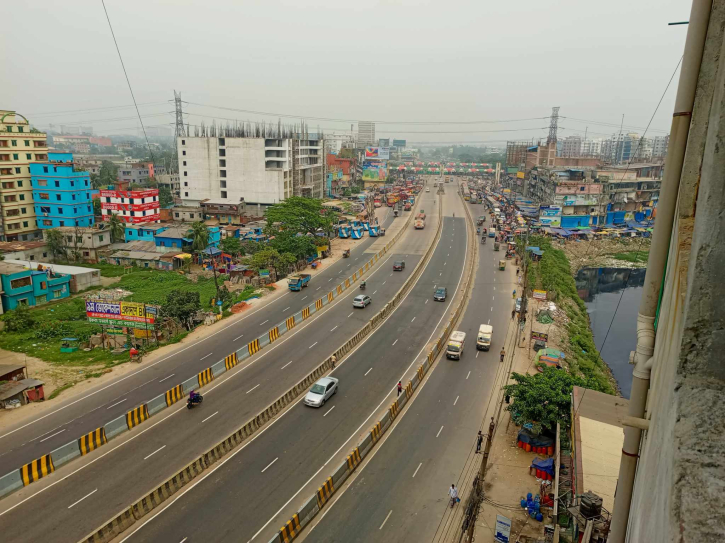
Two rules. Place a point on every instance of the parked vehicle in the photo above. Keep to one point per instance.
(321, 391)
(518, 305)
(455, 346)
(483, 340)
(440, 294)
(399, 265)
(361, 301)
(298, 281)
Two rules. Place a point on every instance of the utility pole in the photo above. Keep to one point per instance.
(469, 524)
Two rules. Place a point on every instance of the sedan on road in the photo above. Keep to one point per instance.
(518, 305)
(361, 300)
(399, 265)
(321, 392)
(440, 294)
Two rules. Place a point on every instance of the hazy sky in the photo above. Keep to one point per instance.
(381, 60)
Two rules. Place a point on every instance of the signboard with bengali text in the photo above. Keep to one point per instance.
(116, 314)
(539, 335)
(539, 294)
(377, 153)
(503, 529)
(375, 171)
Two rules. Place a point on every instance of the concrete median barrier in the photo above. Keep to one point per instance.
(37, 469)
(308, 511)
(115, 427)
(10, 482)
(219, 368)
(136, 416)
(190, 384)
(159, 402)
(65, 453)
(172, 395)
(90, 442)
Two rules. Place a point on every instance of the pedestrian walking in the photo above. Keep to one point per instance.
(514, 294)
(334, 360)
(400, 387)
(479, 440)
(517, 272)
(503, 354)
(513, 314)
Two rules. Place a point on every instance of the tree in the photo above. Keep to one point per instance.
(182, 305)
(19, 320)
(542, 399)
(166, 199)
(117, 229)
(95, 181)
(199, 236)
(56, 243)
(97, 207)
(231, 245)
(108, 175)
(266, 258)
(297, 214)
(299, 246)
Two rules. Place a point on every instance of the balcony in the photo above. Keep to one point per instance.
(42, 143)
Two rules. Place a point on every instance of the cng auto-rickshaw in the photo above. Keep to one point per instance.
(501, 264)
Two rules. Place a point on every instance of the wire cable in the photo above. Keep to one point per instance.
(148, 145)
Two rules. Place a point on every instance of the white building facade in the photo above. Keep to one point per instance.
(366, 134)
(255, 170)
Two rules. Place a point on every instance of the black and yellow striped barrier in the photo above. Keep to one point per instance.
(290, 322)
(205, 377)
(174, 395)
(92, 440)
(274, 334)
(354, 277)
(394, 409)
(375, 432)
(325, 492)
(367, 266)
(230, 361)
(137, 415)
(339, 289)
(330, 296)
(253, 347)
(318, 304)
(37, 469)
(305, 313)
(420, 372)
(409, 389)
(290, 530)
(347, 283)
(353, 459)
(360, 272)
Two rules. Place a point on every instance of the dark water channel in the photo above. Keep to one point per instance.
(612, 297)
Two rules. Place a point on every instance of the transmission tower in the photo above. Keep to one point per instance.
(179, 131)
(553, 125)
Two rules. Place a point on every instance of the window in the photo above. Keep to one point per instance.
(32, 257)
(44, 209)
(224, 194)
(14, 143)
(8, 185)
(186, 194)
(25, 224)
(10, 128)
(16, 156)
(28, 156)
(47, 222)
(20, 129)
(57, 293)
(73, 196)
(222, 152)
(191, 215)
(185, 174)
(175, 215)
(20, 283)
(186, 183)
(183, 152)
(222, 163)
(100, 239)
(45, 169)
(23, 210)
(20, 183)
(10, 198)
(43, 285)
(17, 170)
(45, 255)
(183, 142)
(27, 143)
(222, 173)
(57, 197)
(86, 253)
(61, 223)
(222, 142)
(22, 196)
(185, 163)
(57, 184)
(223, 184)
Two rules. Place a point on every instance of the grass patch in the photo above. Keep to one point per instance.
(632, 256)
(111, 270)
(553, 274)
(60, 389)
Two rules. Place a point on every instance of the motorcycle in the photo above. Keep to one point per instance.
(362, 286)
(198, 398)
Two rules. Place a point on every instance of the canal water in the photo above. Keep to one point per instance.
(612, 297)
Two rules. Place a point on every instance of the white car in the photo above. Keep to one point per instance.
(427, 190)
(321, 391)
(361, 300)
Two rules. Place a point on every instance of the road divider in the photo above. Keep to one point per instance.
(111, 529)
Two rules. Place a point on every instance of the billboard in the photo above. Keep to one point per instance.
(375, 171)
(377, 153)
(400, 144)
(550, 215)
(384, 142)
(130, 314)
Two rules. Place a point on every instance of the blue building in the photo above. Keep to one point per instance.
(62, 196)
(143, 232)
(174, 238)
(24, 286)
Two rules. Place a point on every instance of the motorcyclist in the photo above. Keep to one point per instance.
(192, 396)
(363, 284)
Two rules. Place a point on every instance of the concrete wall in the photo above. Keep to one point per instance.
(681, 471)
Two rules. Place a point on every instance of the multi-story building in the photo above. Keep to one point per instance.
(571, 146)
(591, 148)
(659, 146)
(171, 180)
(20, 285)
(255, 170)
(365, 134)
(84, 243)
(20, 145)
(135, 173)
(63, 196)
(131, 206)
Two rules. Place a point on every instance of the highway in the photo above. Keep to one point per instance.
(400, 492)
(84, 494)
(76, 416)
(251, 493)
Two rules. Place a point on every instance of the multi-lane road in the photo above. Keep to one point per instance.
(80, 496)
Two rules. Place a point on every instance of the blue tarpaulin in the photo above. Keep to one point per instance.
(533, 439)
(544, 464)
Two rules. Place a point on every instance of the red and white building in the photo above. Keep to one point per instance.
(131, 206)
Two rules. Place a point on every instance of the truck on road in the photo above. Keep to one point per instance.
(419, 224)
(483, 340)
(298, 281)
(457, 341)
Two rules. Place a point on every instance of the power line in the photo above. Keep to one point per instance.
(148, 145)
(614, 125)
(107, 108)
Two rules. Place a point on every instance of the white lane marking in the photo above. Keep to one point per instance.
(414, 317)
(386, 520)
(394, 342)
(467, 376)
(330, 279)
(183, 540)
(207, 356)
(318, 288)
(115, 404)
(441, 273)
(285, 309)
(416, 470)
(426, 302)
(374, 293)
(493, 298)
(270, 464)
(489, 321)
(303, 299)
(439, 431)
(287, 364)
(41, 435)
(210, 416)
(335, 328)
(445, 263)
(385, 282)
(169, 377)
(492, 309)
(350, 315)
(153, 453)
(328, 411)
(494, 288)
(310, 347)
(454, 403)
(251, 389)
(449, 254)
(477, 353)
(390, 276)
(83, 498)
(366, 373)
(265, 322)
(55, 434)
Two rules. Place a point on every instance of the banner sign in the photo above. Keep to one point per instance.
(520, 175)
(539, 335)
(375, 171)
(129, 193)
(133, 314)
(539, 294)
(503, 529)
(377, 153)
